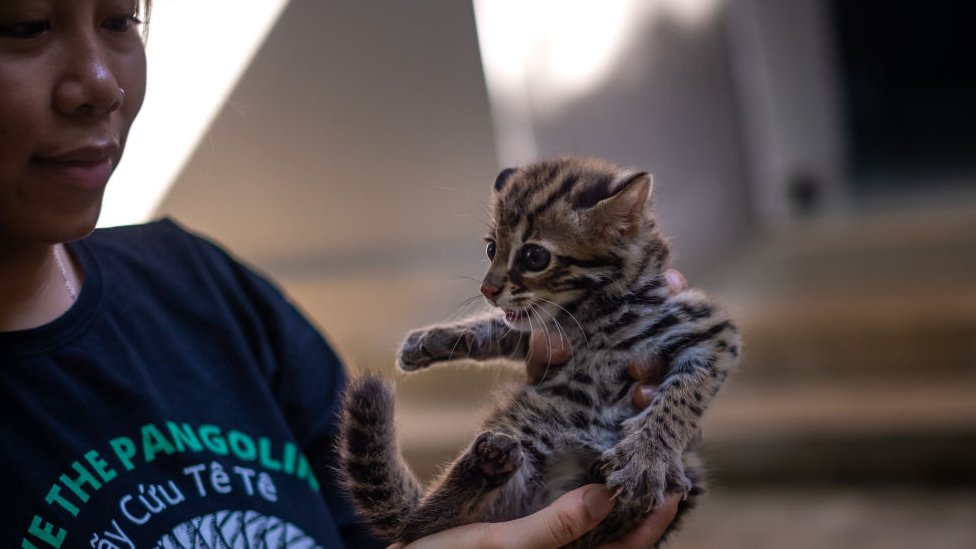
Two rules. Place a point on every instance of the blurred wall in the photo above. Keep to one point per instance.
(352, 162)
(668, 106)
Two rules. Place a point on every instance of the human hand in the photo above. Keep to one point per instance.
(550, 350)
(568, 518)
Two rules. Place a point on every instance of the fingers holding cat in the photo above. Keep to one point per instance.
(551, 350)
(566, 519)
(650, 530)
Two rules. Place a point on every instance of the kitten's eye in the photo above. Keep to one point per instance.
(533, 257)
(490, 250)
(25, 30)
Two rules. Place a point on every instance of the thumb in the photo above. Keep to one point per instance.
(566, 519)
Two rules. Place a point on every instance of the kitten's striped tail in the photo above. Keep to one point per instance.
(382, 487)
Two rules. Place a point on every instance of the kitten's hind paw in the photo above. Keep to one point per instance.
(497, 455)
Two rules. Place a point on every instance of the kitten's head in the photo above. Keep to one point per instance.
(566, 230)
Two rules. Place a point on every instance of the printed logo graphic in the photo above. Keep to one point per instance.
(244, 473)
(236, 530)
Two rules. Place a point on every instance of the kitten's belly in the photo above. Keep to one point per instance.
(570, 458)
(565, 471)
(571, 463)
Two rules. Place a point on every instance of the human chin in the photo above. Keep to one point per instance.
(68, 218)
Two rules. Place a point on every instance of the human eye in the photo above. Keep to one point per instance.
(121, 24)
(25, 29)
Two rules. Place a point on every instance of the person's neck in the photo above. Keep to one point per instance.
(33, 290)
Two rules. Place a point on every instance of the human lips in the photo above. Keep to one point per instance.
(86, 167)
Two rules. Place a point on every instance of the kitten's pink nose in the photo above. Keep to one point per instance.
(490, 291)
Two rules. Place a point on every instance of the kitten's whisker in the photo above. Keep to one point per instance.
(532, 309)
(529, 318)
(555, 322)
(463, 278)
(450, 356)
(470, 301)
(570, 315)
(532, 328)
(493, 338)
(518, 343)
(537, 309)
(559, 329)
(464, 307)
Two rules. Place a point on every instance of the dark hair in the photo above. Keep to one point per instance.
(144, 12)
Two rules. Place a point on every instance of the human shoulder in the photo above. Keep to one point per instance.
(147, 238)
(161, 247)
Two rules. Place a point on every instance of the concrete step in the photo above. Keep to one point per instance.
(892, 296)
(871, 433)
(844, 518)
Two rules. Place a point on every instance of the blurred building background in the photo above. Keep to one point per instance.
(815, 163)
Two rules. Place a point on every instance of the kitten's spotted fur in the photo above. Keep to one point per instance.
(574, 245)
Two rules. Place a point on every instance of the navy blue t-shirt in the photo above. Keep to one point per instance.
(182, 401)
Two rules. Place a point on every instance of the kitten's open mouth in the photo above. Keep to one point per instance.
(512, 315)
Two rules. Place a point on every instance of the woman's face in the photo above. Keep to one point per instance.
(72, 79)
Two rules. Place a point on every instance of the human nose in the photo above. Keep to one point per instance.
(88, 87)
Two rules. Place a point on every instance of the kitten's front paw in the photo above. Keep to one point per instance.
(643, 477)
(427, 346)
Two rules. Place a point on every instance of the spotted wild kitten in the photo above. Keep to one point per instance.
(573, 246)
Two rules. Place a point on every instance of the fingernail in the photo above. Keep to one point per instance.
(596, 500)
(647, 391)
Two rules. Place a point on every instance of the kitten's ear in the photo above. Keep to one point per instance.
(624, 209)
(503, 178)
